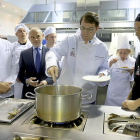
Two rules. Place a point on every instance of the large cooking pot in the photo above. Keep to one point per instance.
(66, 106)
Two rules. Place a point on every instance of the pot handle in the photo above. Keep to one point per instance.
(30, 93)
(84, 97)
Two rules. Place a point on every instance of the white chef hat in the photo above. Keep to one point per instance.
(123, 42)
(49, 30)
(18, 26)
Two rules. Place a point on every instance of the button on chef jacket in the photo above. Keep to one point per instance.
(80, 60)
(5, 65)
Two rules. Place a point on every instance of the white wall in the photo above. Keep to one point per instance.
(7, 22)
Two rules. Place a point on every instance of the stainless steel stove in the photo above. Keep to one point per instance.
(122, 124)
(77, 124)
(95, 127)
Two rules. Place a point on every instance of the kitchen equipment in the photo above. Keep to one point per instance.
(7, 105)
(122, 124)
(58, 108)
(96, 78)
(77, 124)
(18, 110)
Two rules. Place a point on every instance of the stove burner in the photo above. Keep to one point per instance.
(122, 124)
(70, 124)
(132, 129)
(78, 124)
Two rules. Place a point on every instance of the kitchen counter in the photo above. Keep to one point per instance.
(93, 129)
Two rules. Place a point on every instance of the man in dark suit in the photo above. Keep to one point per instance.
(32, 64)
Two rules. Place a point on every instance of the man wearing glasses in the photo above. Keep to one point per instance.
(84, 55)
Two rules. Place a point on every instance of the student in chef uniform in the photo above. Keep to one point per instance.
(84, 55)
(21, 31)
(132, 101)
(119, 84)
(50, 36)
(6, 90)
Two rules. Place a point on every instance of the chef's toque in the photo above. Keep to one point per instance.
(18, 26)
(49, 30)
(138, 17)
(123, 42)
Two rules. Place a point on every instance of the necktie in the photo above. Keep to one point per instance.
(37, 60)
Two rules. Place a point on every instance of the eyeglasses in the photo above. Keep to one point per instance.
(88, 29)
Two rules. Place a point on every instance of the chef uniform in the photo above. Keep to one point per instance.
(5, 65)
(51, 30)
(119, 85)
(81, 59)
(17, 48)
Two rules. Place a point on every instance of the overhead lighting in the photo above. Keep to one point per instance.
(15, 10)
(3, 5)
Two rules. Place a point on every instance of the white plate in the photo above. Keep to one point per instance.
(96, 78)
(125, 68)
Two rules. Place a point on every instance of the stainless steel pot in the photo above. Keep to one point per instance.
(66, 106)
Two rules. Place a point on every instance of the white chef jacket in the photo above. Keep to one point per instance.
(80, 60)
(119, 85)
(17, 48)
(5, 65)
(61, 61)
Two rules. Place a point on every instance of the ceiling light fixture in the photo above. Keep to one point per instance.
(15, 10)
(3, 5)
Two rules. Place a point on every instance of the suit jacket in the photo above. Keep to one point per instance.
(27, 69)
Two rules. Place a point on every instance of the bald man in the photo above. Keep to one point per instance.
(32, 64)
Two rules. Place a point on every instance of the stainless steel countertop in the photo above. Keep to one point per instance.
(93, 128)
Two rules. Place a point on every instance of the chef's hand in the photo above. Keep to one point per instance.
(114, 60)
(42, 83)
(4, 87)
(53, 71)
(18, 80)
(31, 81)
(100, 75)
(130, 104)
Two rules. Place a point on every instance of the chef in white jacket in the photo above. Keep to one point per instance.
(84, 55)
(21, 31)
(51, 36)
(6, 87)
(119, 85)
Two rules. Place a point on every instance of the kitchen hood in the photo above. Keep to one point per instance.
(65, 17)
